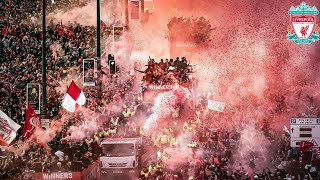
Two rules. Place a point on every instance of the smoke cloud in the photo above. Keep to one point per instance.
(253, 146)
(162, 107)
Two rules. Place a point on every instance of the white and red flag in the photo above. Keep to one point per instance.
(31, 123)
(8, 128)
(73, 98)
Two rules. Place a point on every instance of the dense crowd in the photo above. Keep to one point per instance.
(67, 45)
(215, 153)
(20, 63)
(21, 53)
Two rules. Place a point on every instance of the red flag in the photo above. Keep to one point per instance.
(3, 142)
(31, 123)
(305, 145)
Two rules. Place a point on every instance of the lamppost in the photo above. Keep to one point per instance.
(98, 55)
(44, 61)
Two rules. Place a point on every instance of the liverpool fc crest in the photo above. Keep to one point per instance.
(303, 28)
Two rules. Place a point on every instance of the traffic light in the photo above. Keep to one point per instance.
(110, 58)
(112, 67)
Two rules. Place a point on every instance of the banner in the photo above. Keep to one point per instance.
(160, 87)
(90, 173)
(58, 176)
(216, 105)
(118, 34)
(135, 10)
(8, 128)
(33, 96)
(88, 72)
(150, 92)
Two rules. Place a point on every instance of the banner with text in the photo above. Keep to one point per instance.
(58, 176)
(90, 173)
(33, 96)
(88, 72)
(151, 91)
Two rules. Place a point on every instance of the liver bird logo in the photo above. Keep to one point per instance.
(304, 30)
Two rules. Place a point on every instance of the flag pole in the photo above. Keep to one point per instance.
(44, 61)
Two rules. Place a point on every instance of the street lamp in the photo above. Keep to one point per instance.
(98, 50)
(44, 61)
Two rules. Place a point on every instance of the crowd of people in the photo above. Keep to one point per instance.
(60, 158)
(20, 63)
(21, 53)
(67, 46)
(215, 152)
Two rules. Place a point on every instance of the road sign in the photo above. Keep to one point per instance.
(304, 129)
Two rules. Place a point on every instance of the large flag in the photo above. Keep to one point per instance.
(305, 145)
(73, 97)
(32, 122)
(8, 128)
